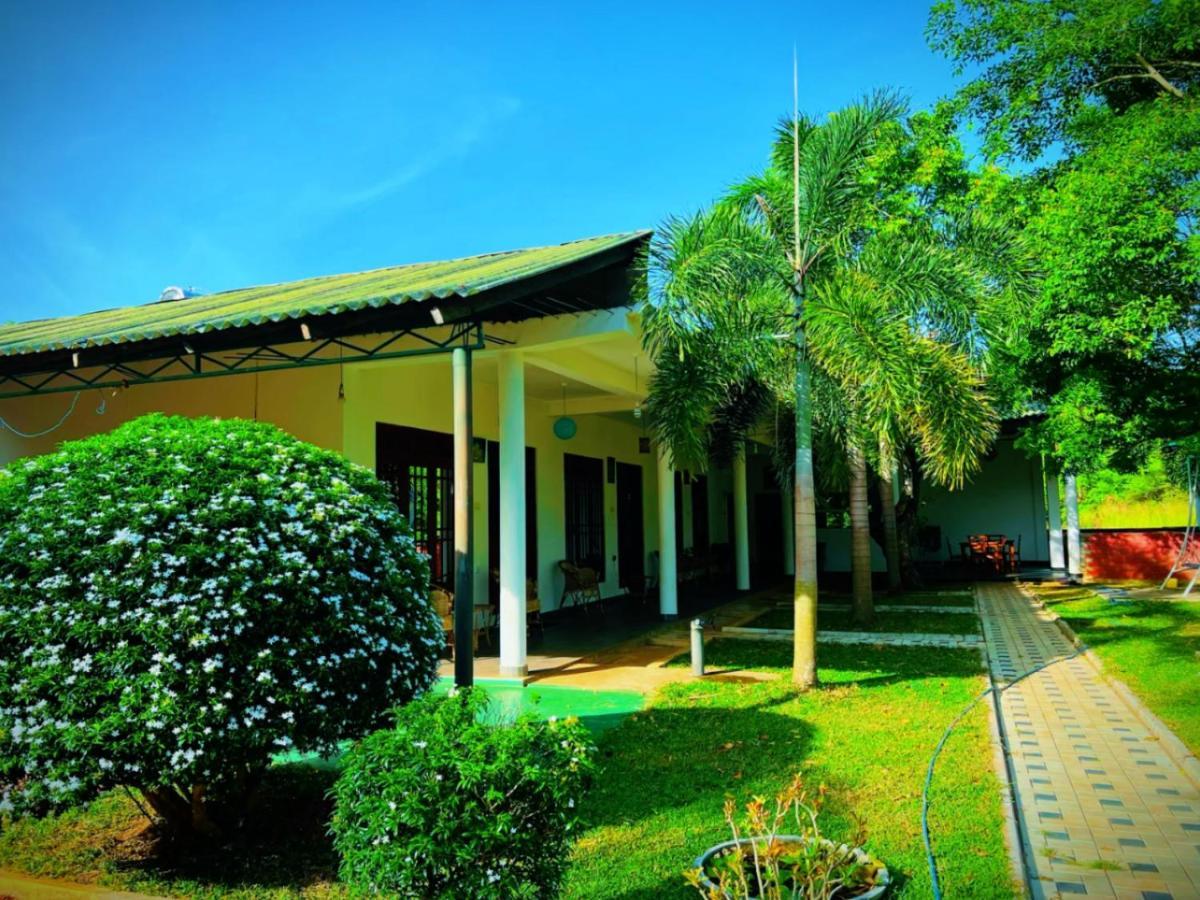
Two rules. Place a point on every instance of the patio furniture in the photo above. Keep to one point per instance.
(581, 587)
(443, 603)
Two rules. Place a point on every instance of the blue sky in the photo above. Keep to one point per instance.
(219, 146)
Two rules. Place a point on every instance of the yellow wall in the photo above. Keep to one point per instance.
(417, 394)
(302, 402)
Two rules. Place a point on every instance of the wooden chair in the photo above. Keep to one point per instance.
(581, 587)
(443, 602)
(533, 608)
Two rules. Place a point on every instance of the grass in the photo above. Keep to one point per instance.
(931, 622)
(866, 734)
(1151, 645)
(284, 851)
(1113, 512)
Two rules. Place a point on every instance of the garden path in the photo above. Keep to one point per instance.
(1106, 808)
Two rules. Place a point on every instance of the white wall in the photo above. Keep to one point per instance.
(1005, 497)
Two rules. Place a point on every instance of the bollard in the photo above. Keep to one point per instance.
(697, 646)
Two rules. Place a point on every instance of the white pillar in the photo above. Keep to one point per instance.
(1054, 517)
(1074, 545)
(668, 602)
(741, 523)
(789, 531)
(511, 377)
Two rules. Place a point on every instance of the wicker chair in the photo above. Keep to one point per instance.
(581, 587)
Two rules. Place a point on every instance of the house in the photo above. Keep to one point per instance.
(514, 379)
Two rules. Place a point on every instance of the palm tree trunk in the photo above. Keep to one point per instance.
(860, 538)
(887, 508)
(804, 593)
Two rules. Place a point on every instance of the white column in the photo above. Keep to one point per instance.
(511, 377)
(668, 603)
(789, 531)
(1054, 517)
(1074, 545)
(741, 523)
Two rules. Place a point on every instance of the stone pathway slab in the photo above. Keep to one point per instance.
(1105, 810)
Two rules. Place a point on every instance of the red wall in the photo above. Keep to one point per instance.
(1144, 554)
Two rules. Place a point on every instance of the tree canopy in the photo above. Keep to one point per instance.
(1099, 100)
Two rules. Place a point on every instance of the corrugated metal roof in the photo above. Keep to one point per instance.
(324, 295)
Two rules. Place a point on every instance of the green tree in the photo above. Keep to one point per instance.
(778, 296)
(1099, 99)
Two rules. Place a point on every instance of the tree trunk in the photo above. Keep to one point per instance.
(860, 538)
(804, 594)
(887, 510)
(182, 816)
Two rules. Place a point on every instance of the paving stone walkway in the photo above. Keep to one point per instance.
(1105, 810)
(888, 638)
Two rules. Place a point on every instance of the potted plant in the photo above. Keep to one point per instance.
(764, 862)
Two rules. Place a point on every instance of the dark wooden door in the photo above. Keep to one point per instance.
(768, 535)
(418, 467)
(700, 539)
(631, 538)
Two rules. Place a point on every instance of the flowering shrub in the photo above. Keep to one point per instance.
(447, 805)
(182, 598)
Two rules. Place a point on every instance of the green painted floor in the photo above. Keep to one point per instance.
(598, 710)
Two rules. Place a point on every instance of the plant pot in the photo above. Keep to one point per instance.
(882, 879)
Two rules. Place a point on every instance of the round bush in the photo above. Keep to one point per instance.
(182, 598)
(448, 804)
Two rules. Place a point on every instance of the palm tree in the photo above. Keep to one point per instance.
(751, 308)
(895, 326)
(756, 254)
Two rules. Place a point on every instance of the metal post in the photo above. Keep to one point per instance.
(697, 646)
(741, 521)
(464, 569)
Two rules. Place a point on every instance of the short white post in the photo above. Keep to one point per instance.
(789, 531)
(668, 601)
(1074, 544)
(511, 375)
(1054, 518)
(741, 522)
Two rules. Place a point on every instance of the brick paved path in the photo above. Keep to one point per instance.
(1105, 811)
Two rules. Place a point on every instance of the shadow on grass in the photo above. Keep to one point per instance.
(667, 771)
(284, 843)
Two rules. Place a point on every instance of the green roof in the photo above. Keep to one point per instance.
(324, 295)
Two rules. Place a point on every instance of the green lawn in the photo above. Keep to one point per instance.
(928, 622)
(1151, 645)
(866, 734)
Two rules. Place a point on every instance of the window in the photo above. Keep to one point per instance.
(584, 500)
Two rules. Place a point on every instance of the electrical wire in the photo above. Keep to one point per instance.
(991, 690)
(101, 409)
(37, 434)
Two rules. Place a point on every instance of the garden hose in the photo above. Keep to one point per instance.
(994, 691)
